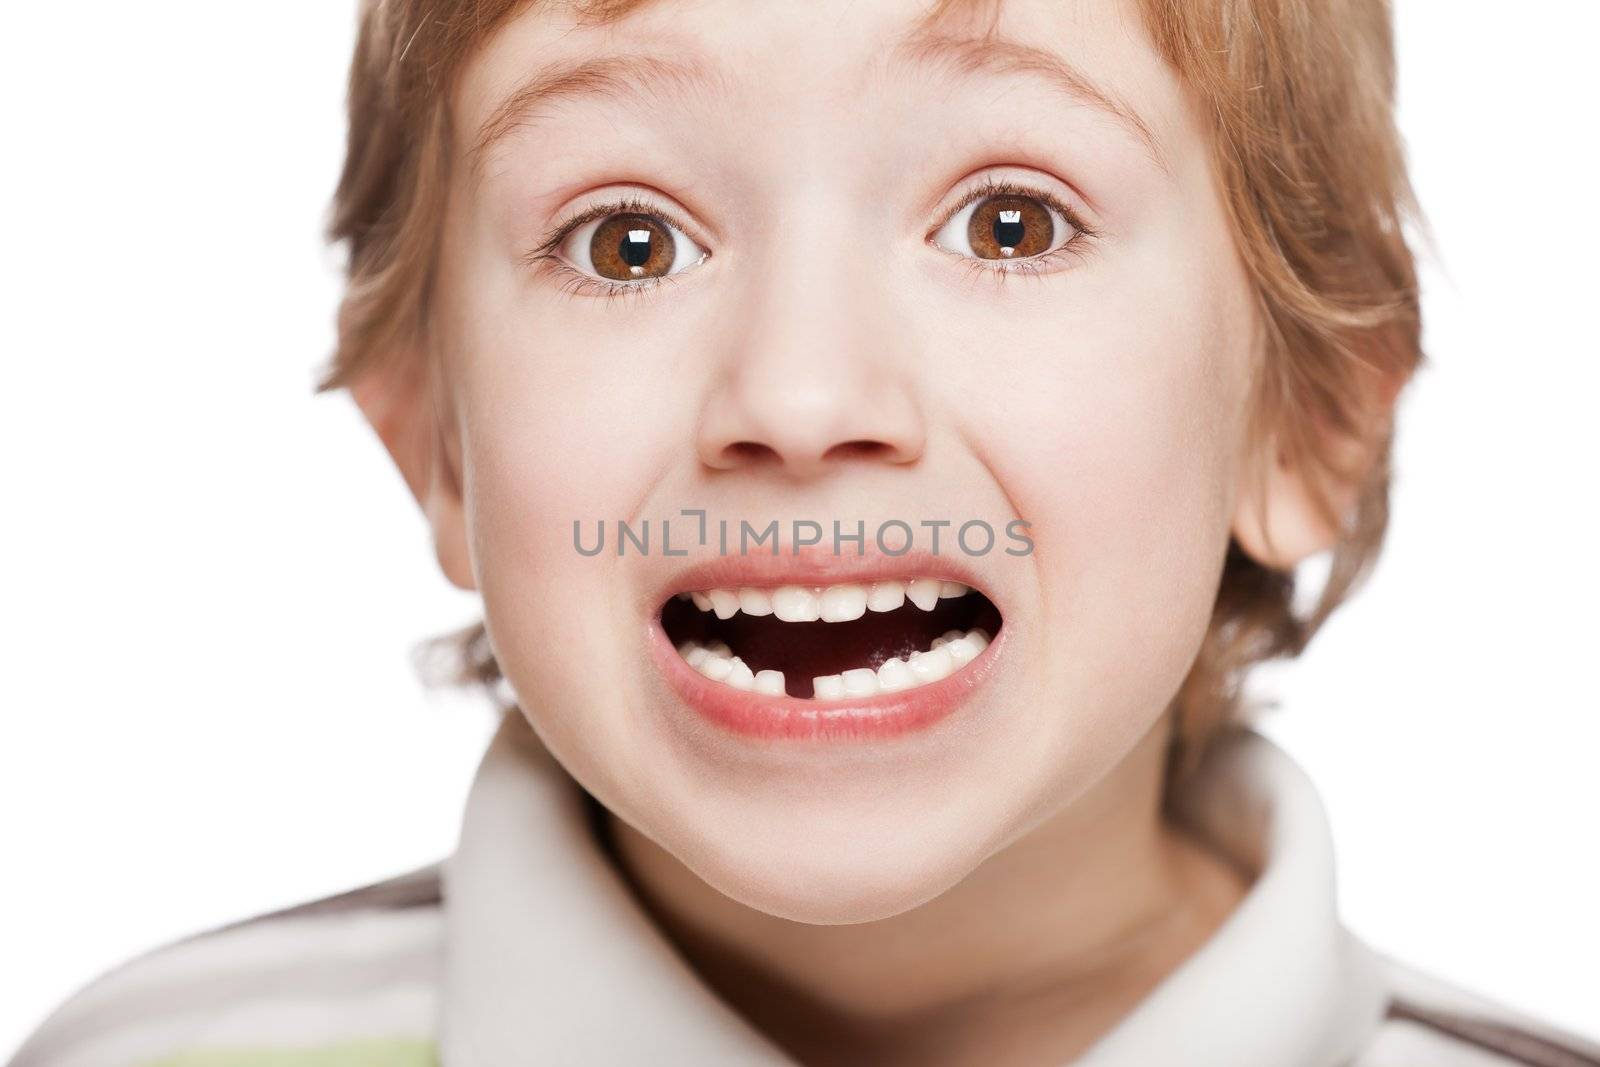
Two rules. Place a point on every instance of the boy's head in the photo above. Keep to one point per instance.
(1131, 272)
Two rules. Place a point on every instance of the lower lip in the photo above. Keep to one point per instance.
(757, 715)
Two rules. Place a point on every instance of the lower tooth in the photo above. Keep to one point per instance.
(961, 651)
(950, 651)
(741, 676)
(894, 675)
(827, 687)
(860, 682)
(930, 666)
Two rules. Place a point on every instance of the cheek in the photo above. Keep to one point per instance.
(1114, 430)
(556, 428)
(560, 420)
(1140, 493)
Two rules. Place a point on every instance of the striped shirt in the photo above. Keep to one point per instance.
(525, 946)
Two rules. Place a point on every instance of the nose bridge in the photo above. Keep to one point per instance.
(813, 373)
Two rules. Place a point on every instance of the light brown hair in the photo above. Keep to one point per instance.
(1299, 95)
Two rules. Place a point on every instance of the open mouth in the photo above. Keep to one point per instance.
(831, 642)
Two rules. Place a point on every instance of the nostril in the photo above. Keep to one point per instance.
(750, 452)
(859, 450)
(808, 457)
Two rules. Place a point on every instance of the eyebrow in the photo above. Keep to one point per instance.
(998, 57)
(629, 78)
(624, 78)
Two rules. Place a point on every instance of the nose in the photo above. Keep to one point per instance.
(815, 377)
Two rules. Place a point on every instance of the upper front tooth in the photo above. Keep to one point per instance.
(842, 603)
(755, 602)
(924, 593)
(725, 602)
(886, 596)
(794, 603)
(836, 603)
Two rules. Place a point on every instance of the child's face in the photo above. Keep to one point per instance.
(842, 353)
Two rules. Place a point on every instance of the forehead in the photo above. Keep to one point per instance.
(841, 73)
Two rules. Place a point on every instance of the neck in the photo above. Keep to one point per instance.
(1057, 935)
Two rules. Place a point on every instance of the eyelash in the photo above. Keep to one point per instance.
(1033, 266)
(575, 282)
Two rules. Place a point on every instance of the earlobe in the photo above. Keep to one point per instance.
(398, 398)
(446, 512)
(1276, 519)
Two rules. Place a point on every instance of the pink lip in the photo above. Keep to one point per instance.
(757, 715)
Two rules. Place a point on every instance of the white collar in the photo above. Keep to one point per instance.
(549, 958)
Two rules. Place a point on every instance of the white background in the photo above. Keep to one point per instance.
(211, 580)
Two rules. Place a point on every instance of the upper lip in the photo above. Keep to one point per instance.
(817, 565)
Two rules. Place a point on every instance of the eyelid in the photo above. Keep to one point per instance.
(632, 203)
(547, 256)
(546, 251)
(990, 186)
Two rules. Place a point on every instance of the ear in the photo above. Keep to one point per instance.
(1275, 520)
(401, 399)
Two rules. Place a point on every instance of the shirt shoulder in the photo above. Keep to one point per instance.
(1430, 1022)
(349, 980)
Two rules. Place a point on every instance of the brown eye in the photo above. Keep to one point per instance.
(1010, 227)
(1005, 226)
(629, 246)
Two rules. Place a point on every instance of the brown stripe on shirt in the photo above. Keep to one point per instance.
(1498, 1037)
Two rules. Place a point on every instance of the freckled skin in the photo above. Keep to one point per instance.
(1103, 400)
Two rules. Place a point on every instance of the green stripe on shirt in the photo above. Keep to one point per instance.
(383, 1053)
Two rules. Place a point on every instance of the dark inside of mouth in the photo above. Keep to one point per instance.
(806, 650)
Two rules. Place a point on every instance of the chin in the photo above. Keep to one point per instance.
(829, 865)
